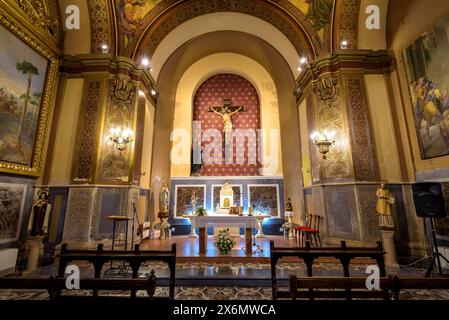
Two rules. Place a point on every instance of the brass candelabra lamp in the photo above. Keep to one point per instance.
(121, 137)
(323, 141)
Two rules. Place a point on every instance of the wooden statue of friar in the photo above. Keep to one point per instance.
(40, 213)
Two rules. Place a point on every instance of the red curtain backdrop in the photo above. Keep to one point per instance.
(241, 92)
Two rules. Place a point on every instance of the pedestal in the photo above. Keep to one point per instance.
(35, 246)
(259, 227)
(389, 247)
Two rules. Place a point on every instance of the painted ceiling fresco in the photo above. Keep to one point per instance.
(135, 15)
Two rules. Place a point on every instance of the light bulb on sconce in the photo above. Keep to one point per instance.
(121, 137)
(344, 44)
(323, 141)
(104, 48)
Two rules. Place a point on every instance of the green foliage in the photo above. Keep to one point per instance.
(224, 241)
(27, 68)
(201, 212)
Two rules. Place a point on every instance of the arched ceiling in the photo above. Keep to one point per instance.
(138, 27)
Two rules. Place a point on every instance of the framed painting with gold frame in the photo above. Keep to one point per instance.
(28, 71)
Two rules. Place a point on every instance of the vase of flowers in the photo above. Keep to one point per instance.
(201, 212)
(224, 241)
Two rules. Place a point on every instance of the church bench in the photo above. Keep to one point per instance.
(309, 254)
(56, 287)
(347, 288)
(399, 284)
(355, 287)
(135, 258)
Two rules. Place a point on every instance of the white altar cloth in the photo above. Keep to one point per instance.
(225, 221)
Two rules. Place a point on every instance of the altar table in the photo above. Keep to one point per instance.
(247, 222)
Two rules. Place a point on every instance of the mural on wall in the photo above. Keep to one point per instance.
(131, 16)
(12, 201)
(319, 12)
(22, 79)
(427, 68)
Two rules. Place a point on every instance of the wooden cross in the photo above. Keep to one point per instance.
(226, 108)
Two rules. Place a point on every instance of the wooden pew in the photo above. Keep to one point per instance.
(355, 288)
(134, 258)
(308, 254)
(56, 287)
(337, 288)
(398, 284)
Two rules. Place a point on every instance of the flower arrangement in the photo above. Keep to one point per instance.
(224, 241)
(201, 212)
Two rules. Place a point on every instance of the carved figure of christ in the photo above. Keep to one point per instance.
(226, 112)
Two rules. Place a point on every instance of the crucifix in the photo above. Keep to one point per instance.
(226, 112)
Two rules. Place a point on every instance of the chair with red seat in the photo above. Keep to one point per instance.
(309, 231)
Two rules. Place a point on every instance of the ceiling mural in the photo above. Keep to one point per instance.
(131, 14)
(318, 12)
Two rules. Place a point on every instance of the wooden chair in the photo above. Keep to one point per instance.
(309, 231)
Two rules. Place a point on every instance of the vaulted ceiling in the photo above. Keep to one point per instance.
(133, 27)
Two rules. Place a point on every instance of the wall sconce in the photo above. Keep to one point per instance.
(323, 141)
(121, 138)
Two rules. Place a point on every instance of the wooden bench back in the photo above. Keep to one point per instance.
(308, 255)
(135, 258)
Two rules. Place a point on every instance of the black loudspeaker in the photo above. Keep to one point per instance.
(429, 200)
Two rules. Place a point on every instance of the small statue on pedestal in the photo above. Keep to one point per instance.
(164, 198)
(288, 205)
(384, 206)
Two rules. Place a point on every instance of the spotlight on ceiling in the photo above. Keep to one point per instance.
(303, 60)
(299, 69)
(153, 92)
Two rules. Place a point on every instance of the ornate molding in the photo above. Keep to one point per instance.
(100, 24)
(84, 165)
(345, 61)
(41, 14)
(291, 24)
(115, 166)
(361, 140)
(331, 116)
(48, 94)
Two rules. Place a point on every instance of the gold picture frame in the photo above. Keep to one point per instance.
(14, 25)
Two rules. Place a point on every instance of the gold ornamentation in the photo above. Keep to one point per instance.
(41, 14)
(119, 113)
(46, 102)
(331, 118)
(88, 132)
(100, 26)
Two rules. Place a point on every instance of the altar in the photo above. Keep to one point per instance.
(246, 222)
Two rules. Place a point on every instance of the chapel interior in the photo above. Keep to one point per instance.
(223, 135)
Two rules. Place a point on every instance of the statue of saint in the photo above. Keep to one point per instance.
(288, 205)
(164, 198)
(384, 206)
(226, 112)
(40, 213)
